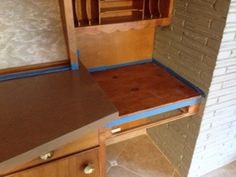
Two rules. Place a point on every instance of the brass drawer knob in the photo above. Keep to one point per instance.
(88, 169)
(46, 156)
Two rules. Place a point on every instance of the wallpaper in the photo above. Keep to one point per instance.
(30, 32)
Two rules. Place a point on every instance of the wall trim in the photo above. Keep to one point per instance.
(34, 67)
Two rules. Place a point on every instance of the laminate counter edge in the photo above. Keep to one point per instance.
(54, 144)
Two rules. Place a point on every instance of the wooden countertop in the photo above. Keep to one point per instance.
(141, 87)
(39, 114)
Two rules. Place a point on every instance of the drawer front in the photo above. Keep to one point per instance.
(88, 141)
(85, 164)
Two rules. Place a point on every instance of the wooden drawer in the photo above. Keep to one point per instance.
(73, 166)
(86, 142)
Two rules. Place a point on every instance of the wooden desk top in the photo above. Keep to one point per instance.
(140, 87)
(39, 114)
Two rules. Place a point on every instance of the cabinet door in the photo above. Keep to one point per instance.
(84, 164)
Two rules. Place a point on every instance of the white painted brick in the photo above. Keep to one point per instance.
(224, 120)
(212, 101)
(215, 87)
(228, 45)
(225, 98)
(231, 18)
(225, 111)
(225, 77)
(229, 83)
(218, 93)
(231, 69)
(219, 71)
(226, 62)
(228, 37)
(233, 52)
(224, 54)
(208, 115)
(220, 116)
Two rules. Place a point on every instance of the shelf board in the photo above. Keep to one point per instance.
(120, 19)
(120, 9)
(144, 87)
(115, 3)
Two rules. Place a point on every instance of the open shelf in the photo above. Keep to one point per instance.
(143, 90)
(129, 18)
(99, 12)
(120, 9)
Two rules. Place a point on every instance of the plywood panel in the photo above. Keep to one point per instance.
(140, 87)
(114, 48)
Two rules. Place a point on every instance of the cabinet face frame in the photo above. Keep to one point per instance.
(95, 140)
(100, 12)
(73, 33)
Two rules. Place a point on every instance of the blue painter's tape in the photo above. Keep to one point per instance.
(74, 66)
(152, 112)
(25, 74)
(177, 76)
(107, 67)
(78, 53)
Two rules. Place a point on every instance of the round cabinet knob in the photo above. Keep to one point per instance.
(88, 169)
(46, 156)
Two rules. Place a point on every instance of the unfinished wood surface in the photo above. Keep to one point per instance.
(39, 114)
(116, 47)
(120, 27)
(140, 87)
(69, 166)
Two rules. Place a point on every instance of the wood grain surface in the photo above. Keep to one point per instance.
(71, 166)
(140, 87)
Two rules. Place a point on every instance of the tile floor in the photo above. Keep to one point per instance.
(137, 157)
(226, 171)
(140, 157)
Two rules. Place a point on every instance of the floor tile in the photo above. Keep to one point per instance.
(142, 156)
(113, 151)
(226, 171)
(108, 166)
(176, 174)
(118, 171)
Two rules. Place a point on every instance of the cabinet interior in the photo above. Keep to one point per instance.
(100, 12)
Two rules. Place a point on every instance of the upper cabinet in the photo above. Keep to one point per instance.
(102, 12)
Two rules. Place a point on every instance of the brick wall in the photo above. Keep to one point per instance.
(190, 46)
(216, 145)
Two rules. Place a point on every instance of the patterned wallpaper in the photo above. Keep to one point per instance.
(30, 32)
